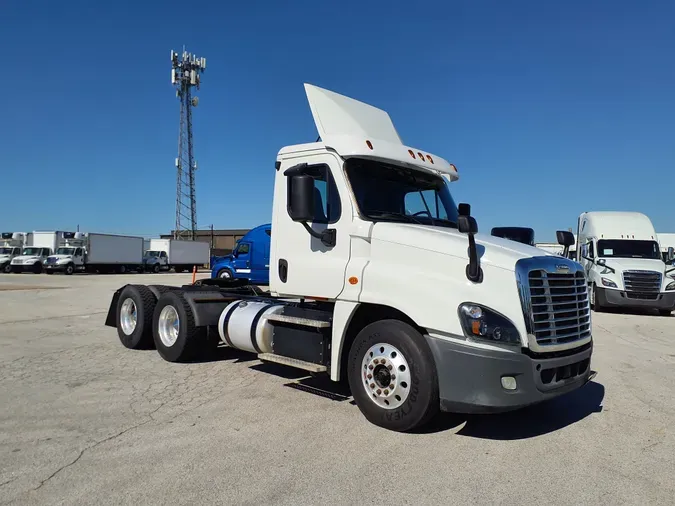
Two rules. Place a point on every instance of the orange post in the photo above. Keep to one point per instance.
(194, 273)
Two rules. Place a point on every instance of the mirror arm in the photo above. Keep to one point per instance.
(327, 237)
(473, 271)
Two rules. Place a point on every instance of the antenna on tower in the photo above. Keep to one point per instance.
(186, 70)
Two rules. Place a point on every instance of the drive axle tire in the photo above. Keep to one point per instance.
(665, 312)
(176, 336)
(392, 376)
(135, 308)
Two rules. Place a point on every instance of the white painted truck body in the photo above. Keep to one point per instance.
(622, 259)
(179, 254)
(358, 266)
(96, 252)
(34, 256)
(11, 245)
(666, 240)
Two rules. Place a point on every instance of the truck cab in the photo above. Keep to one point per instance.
(31, 259)
(377, 276)
(155, 260)
(622, 259)
(10, 247)
(70, 255)
(250, 258)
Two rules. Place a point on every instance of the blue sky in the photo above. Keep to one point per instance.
(548, 109)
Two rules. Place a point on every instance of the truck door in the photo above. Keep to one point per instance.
(300, 263)
(78, 258)
(242, 260)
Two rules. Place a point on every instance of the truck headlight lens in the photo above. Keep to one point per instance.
(671, 286)
(479, 322)
(608, 282)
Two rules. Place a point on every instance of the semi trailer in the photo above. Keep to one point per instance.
(11, 245)
(622, 259)
(475, 324)
(91, 252)
(179, 255)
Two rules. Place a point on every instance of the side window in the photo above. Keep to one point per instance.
(244, 248)
(424, 203)
(162, 254)
(327, 207)
(78, 252)
(591, 254)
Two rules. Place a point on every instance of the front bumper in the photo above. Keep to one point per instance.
(54, 267)
(24, 267)
(470, 378)
(620, 298)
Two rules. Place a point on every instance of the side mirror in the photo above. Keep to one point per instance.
(301, 198)
(467, 224)
(565, 237)
(671, 254)
(464, 209)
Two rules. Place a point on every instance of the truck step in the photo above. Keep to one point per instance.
(292, 362)
(297, 320)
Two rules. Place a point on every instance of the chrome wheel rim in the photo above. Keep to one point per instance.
(169, 325)
(128, 316)
(385, 375)
(225, 275)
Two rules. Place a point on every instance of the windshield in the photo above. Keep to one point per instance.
(6, 251)
(622, 248)
(152, 253)
(65, 251)
(390, 193)
(518, 234)
(32, 251)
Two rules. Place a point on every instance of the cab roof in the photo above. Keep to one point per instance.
(355, 129)
(617, 225)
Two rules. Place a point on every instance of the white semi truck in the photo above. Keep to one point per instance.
(11, 245)
(623, 263)
(167, 254)
(32, 257)
(476, 324)
(90, 252)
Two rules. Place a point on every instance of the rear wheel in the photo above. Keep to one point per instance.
(392, 376)
(176, 336)
(665, 312)
(135, 308)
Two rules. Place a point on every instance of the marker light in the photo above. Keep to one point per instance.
(369, 144)
(431, 160)
(411, 153)
(420, 155)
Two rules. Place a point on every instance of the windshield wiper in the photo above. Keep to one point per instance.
(390, 214)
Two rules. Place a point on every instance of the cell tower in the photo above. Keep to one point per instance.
(185, 74)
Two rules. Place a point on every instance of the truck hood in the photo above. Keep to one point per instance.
(4, 258)
(635, 264)
(495, 251)
(57, 258)
(21, 259)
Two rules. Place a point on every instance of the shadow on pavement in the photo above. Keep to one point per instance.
(528, 422)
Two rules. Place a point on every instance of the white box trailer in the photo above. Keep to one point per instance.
(180, 255)
(96, 253)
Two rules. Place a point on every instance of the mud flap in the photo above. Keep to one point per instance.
(111, 319)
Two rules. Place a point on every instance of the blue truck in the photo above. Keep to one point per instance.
(250, 259)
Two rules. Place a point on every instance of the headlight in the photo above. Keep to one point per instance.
(671, 286)
(608, 282)
(485, 324)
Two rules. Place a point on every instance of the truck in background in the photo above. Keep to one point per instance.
(91, 252)
(11, 246)
(179, 255)
(622, 260)
(32, 257)
(522, 235)
(481, 324)
(666, 241)
(250, 259)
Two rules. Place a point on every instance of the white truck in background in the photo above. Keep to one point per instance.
(91, 252)
(666, 241)
(622, 259)
(165, 254)
(32, 257)
(11, 246)
(480, 324)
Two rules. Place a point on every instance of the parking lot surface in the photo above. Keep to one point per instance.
(84, 420)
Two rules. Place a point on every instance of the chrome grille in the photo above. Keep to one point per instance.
(554, 297)
(642, 284)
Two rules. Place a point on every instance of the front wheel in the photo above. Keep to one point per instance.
(70, 268)
(7, 268)
(665, 312)
(596, 303)
(392, 376)
(224, 274)
(37, 268)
